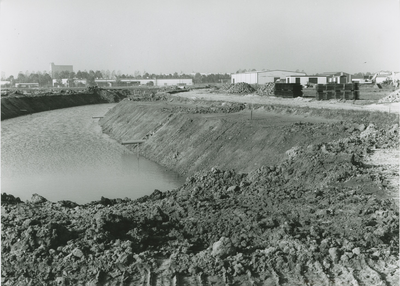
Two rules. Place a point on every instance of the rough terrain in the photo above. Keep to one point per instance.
(21, 102)
(275, 195)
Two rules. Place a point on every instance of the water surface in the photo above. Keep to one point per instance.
(63, 155)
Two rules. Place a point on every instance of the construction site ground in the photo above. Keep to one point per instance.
(279, 191)
(368, 103)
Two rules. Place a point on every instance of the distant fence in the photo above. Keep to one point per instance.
(347, 91)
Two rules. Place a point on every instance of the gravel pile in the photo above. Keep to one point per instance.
(226, 86)
(266, 89)
(241, 87)
(393, 97)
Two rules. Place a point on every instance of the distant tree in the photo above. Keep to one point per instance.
(62, 74)
(137, 74)
(21, 77)
(118, 81)
(197, 78)
(79, 75)
(113, 75)
(85, 75)
(98, 75)
(45, 79)
(146, 75)
(108, 74)
(58, 82)
(11, 79)
(90, 80)
(33, 78)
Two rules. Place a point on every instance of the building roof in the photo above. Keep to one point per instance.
(267, 71)
(307, 75)
(335, 73)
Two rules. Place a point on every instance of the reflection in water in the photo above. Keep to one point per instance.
(62, 155)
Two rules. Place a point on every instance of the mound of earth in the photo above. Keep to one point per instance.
(241, 87)
(266, 89)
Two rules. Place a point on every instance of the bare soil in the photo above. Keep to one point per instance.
(361, 105)
(278, 192)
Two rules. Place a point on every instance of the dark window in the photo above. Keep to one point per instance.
(297, 80)
(313, 80)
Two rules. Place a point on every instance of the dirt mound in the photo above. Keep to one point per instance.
(392, 97)
(266, 89)
(241, 87)
(226, 86)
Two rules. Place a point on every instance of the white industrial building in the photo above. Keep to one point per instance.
(324, 78)
(307, 79)
(263, 77)
(337, 77)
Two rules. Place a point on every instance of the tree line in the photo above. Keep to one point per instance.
(44, 78)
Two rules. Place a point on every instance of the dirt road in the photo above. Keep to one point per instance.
(206, 94)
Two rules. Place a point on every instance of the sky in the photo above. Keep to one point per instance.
(205, 36)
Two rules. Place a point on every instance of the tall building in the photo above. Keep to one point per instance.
(59, 68)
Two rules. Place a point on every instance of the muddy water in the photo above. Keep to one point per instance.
(63, 155)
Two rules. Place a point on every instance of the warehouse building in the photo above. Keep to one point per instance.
(263, 77)
(173, 81)
(324, 78)
(307, 79)
(337, 77)
(54, 69)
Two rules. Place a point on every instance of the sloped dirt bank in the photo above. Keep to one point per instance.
(189, 136)
(320, 217)
(318, 210)
(18, 103)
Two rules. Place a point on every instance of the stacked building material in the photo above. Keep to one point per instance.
(241, 87)
(346, 91)
(289, 90)
(266, 89)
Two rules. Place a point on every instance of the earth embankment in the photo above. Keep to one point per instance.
(304, 206)
(18, 103)
(190, 136)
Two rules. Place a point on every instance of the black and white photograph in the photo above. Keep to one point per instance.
(200, 143)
